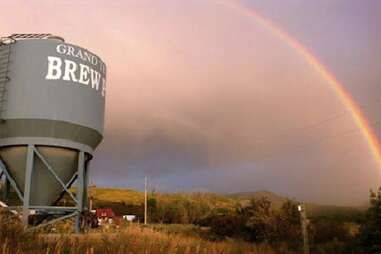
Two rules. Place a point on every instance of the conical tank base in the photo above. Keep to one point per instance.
(45, 188)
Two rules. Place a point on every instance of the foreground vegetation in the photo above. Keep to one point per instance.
(188, 208)
(131, 239)
(260, 218)
(205, 223)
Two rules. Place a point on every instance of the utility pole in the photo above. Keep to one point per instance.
(304, 224)
(145, 200)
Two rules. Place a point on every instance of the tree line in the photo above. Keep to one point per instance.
(260, 222)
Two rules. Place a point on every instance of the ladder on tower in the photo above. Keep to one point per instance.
(5, 55)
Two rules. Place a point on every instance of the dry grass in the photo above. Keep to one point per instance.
(137, 239)
(132, 239)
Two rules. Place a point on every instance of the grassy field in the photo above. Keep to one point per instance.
(197, 220)
(131, 239)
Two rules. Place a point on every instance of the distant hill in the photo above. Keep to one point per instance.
(245, 197)
(315, 210)
(124, 201)
(117, 197)
(135, 197)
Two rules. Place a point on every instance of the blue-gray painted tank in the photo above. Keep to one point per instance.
(52, 95)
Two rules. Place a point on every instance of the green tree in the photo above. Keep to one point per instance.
(153, 211)
(370, 233)
(260, 222)
(175, 213)
(288, 222)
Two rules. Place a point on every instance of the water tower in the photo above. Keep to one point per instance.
(52, 100)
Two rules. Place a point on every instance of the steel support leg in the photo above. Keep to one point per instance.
(11, 181)
(25, 193)
(86, 189)
(6, 190)
(28, 183)
(80, 189)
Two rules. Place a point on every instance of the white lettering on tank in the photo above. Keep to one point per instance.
(94, 60)
(103, 87)
(87, 56)
(84, 71)
(70, 51)
(79, 54)
(70, 68)
(54, 68)
(61, 48)
(95, 78)
(76, 52)
(60, 68)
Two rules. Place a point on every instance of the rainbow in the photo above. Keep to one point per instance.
(346, 99)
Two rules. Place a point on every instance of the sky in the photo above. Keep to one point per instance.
(201, 97)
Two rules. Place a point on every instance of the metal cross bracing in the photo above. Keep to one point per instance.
(51, 213)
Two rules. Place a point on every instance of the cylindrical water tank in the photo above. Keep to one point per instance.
(52, 95)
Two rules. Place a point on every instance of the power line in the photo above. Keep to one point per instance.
(318, 124)
(353, 131)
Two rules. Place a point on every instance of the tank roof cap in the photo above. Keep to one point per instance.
(35, 36)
